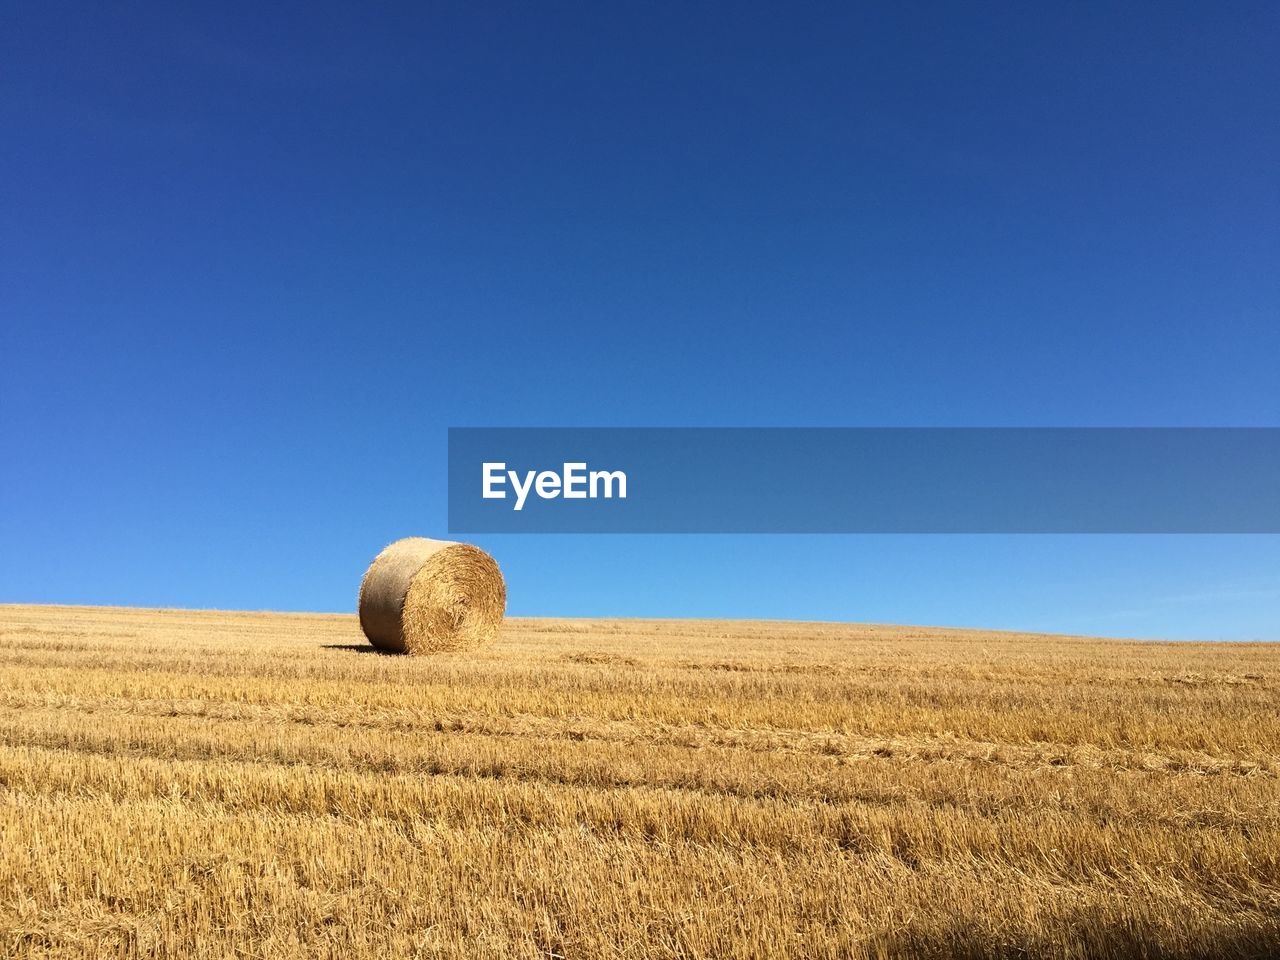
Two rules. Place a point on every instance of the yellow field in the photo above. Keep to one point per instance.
(210, 785)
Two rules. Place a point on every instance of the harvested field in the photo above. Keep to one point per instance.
(209, 785)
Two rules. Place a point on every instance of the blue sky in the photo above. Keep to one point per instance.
(256, 260)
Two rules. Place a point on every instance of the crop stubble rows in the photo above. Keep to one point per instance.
(203, 784)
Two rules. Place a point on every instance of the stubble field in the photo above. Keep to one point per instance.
(210, 785)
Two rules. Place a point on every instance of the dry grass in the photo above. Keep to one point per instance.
(210, 785)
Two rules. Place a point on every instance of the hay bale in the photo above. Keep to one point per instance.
(423, 596)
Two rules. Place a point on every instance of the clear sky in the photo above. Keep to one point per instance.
(256, 258)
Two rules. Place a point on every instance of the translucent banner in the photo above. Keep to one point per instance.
(864, 480)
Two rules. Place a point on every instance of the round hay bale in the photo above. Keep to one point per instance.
(424, 596)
